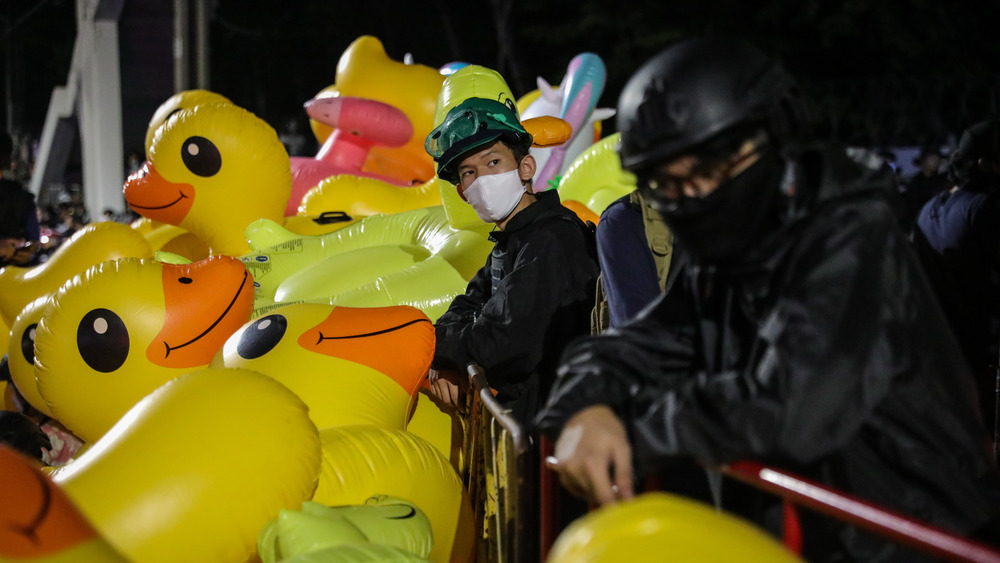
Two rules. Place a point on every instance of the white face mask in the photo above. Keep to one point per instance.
(494, 196)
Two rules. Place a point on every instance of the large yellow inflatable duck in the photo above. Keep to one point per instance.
(196, 468)
(118, 331)
(350, 366)
(212, 170)
(363, 461)
(91, 245)
(657, 525)
(366, 71)
(39, 523)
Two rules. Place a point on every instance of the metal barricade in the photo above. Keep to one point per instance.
(515, 498)
(501, 475)
(886, 523)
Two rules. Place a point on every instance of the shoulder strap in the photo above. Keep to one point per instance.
(658, 236)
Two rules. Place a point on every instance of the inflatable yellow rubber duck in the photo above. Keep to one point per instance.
(212, 170)
(362, 461)
(350, 366)
(656, 525)
(91, 245)
(366, 71)
(113, 334)
(196, 468)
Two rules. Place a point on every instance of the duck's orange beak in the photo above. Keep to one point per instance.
(37, 519)
(206, 302)
(151, 195)
(397, 341)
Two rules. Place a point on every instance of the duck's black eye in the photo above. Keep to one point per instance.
(28, 343)
(102, 340)
(261, 336)
(201, 156)
(185, 280)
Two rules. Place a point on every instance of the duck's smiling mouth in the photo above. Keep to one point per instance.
(151, 207)
(214, 324)
(322, 337)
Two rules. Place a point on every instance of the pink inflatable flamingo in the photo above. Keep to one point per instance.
(358, 125)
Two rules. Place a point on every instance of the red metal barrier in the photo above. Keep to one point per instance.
(521, 498)
(886, 523)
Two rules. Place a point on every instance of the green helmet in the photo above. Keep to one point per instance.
(473, 123)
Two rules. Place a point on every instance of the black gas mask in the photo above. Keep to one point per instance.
(722, 227)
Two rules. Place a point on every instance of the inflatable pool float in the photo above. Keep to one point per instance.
(350, 366)
(121, 329)
(196, 468)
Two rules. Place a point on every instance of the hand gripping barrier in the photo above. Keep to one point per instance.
(516, 499)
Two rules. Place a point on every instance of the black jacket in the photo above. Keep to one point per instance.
(533, 296)
(826, 355)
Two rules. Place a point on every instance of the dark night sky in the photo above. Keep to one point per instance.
(889, 71)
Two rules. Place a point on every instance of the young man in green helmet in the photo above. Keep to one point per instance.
(535, 292)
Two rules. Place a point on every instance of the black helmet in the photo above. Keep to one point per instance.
(695, 90)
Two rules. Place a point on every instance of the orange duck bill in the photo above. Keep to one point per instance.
(205, 302)
(37, 519)
(397, 341)
(151, 195)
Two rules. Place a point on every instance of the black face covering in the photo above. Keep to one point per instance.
(722, 227)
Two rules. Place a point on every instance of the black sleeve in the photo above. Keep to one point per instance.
(463, 312)
(827, 357)
(506, 333)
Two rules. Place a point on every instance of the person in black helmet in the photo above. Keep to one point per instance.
(802, 334)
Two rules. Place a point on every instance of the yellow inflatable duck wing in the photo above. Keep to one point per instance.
(91, 245)
(113, 334)
(658, 523)
(350, 366)
(195, 469)
(363, 461)
(212, 170)
(39, 523)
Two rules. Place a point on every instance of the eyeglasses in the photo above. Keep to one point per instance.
(703, 177)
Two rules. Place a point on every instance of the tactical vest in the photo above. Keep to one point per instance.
(661, 244)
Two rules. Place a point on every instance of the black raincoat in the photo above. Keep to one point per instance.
(518, 312)
(825, 354)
